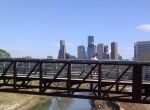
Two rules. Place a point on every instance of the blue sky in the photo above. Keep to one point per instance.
(34, 27)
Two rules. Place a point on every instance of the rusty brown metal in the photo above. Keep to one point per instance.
(118, 79)
(54, 78)
(102, 88)
(41, 77)
(88, 74)
(69, 78)
(5, 71)
(14, 75)
(99, 79)
(137, 83)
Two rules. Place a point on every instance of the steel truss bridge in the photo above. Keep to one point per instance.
(99, 80)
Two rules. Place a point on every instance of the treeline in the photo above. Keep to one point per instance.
(4, 54)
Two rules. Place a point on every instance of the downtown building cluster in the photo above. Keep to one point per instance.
(101, 49)
(87, 53)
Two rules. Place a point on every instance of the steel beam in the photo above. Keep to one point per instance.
(137, 83)
(14, 75)
(40, 76)
(69, 78)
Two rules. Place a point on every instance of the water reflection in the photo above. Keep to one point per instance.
(92, 103)
(54, 104)
(70, 104)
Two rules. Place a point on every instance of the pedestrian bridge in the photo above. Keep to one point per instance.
(89, 79)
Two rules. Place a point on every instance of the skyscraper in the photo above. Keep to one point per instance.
(114, 50)
(142, 53)
(90, 40)
(91, 49)
(100, 51)
(62, 50)
(106, 52)
(106, 49)
(81, 52)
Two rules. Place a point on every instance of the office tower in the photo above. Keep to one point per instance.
(142, 53)
(135, 56)
(100, 51)
(106, 52)
(81, 52)
(91, 49)
(62, 50)
(90, 40)
(106, 49)
(114, 50)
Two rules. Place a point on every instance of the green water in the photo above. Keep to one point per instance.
(42, 106)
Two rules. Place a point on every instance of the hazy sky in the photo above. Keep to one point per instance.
(34, 27)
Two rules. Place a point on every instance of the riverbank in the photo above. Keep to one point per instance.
(105, 105)
(9, 101)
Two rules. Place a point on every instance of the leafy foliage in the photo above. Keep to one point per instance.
(4, 54)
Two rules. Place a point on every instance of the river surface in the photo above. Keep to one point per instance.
(70, 104)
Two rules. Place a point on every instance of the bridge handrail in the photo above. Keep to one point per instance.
(76, 61)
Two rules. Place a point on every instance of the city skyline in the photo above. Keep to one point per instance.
(83, 52)
(27, 30)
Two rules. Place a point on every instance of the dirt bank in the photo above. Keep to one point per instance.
(105, 105)
(10, 101)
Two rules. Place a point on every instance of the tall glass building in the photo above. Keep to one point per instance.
(62, 50)
(106, 52)
(81, 52)
(142, 53)
(100, 51)
(90, 40)
(114, 51)
(91, 49)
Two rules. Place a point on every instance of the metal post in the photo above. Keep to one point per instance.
(14, 75)
(137, 83)
(69, 78)
(41, 76)
(117, 85)
(91, 86)
(99, 79)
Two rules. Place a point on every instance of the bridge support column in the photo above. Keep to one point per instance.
(91, 86)
(40, 77)
(14, 75)
(69, 78)
(118, 72)
(137, 83)
(99, 79)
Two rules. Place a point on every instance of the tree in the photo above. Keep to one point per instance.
(4, 54)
